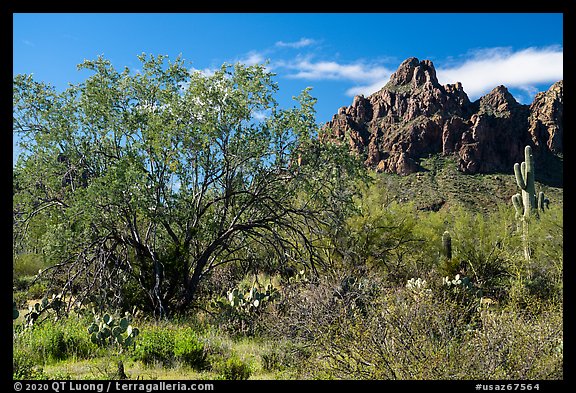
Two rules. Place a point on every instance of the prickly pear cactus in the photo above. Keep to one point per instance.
(108, 329)
(15, 312)
(55, 304)
(251, 300)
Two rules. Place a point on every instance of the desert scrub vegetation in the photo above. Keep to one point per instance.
(393, 307)
(246, 248)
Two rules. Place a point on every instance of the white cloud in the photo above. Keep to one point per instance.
(205, 71)
(366, 90)
(261, 115)
(297, 44)
(252, 58)
(372, 77)
(27, 42)
(500, 66)
(332, 70)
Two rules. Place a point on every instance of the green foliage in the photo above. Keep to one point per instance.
(484, 249)
(380, 236)
(189, 349)
(154, 179)
(28, 264)
(156, 345)
(23, 366)
(37, 290)
(55, 341)
(234, 369)
(168, 346)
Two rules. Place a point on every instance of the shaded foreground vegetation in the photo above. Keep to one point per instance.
(387, 305)
(151, 244)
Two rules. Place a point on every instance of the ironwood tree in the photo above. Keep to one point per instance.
(140, 184)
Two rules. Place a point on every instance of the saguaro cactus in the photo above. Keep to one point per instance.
(447, 245)
(527, 204)
(525, 179)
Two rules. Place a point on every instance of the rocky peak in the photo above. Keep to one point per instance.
(413, 116)
(498, 101)
(415, 73)
(545, 121)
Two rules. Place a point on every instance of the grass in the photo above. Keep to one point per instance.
(248, 350)
(219, 346)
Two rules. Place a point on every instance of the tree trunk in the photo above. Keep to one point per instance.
(192, 284)
(525, 239)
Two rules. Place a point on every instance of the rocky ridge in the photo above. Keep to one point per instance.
(414, 116)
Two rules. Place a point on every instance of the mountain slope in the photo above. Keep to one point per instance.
(440, 185)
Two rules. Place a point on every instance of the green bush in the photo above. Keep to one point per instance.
(285, 355)
(55, 345)
(21, 283)
(510, 345)
(54, 341)
(28, 264)
(167, 346)
(273, 360)
(234, 369)
(37, 290)
(21, 299)
(156, 345)
(23, 366)
(189, 349)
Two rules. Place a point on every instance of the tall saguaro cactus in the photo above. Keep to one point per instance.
(527, 204)
(525, 179)
(447, 245)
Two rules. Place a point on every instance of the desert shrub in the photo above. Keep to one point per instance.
(28, 264)
(156, 345)
(547, 237)
(285, 355)
(169, 346)
(409, 333)
(21, 283)
(422, 331)
(189, 349)
(544, 282)
(37, 290)
(21, 299)
(273, 360)
(510, 345)
(304, 305)
(233, 368)
(55, 340)
(381, 237)
(23, 366)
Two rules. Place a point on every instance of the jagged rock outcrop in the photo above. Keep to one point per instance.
(413, 116)
(545, 120)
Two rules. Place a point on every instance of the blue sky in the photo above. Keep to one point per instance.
(337, 54)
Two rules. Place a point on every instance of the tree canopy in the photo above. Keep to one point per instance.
(140, 184)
